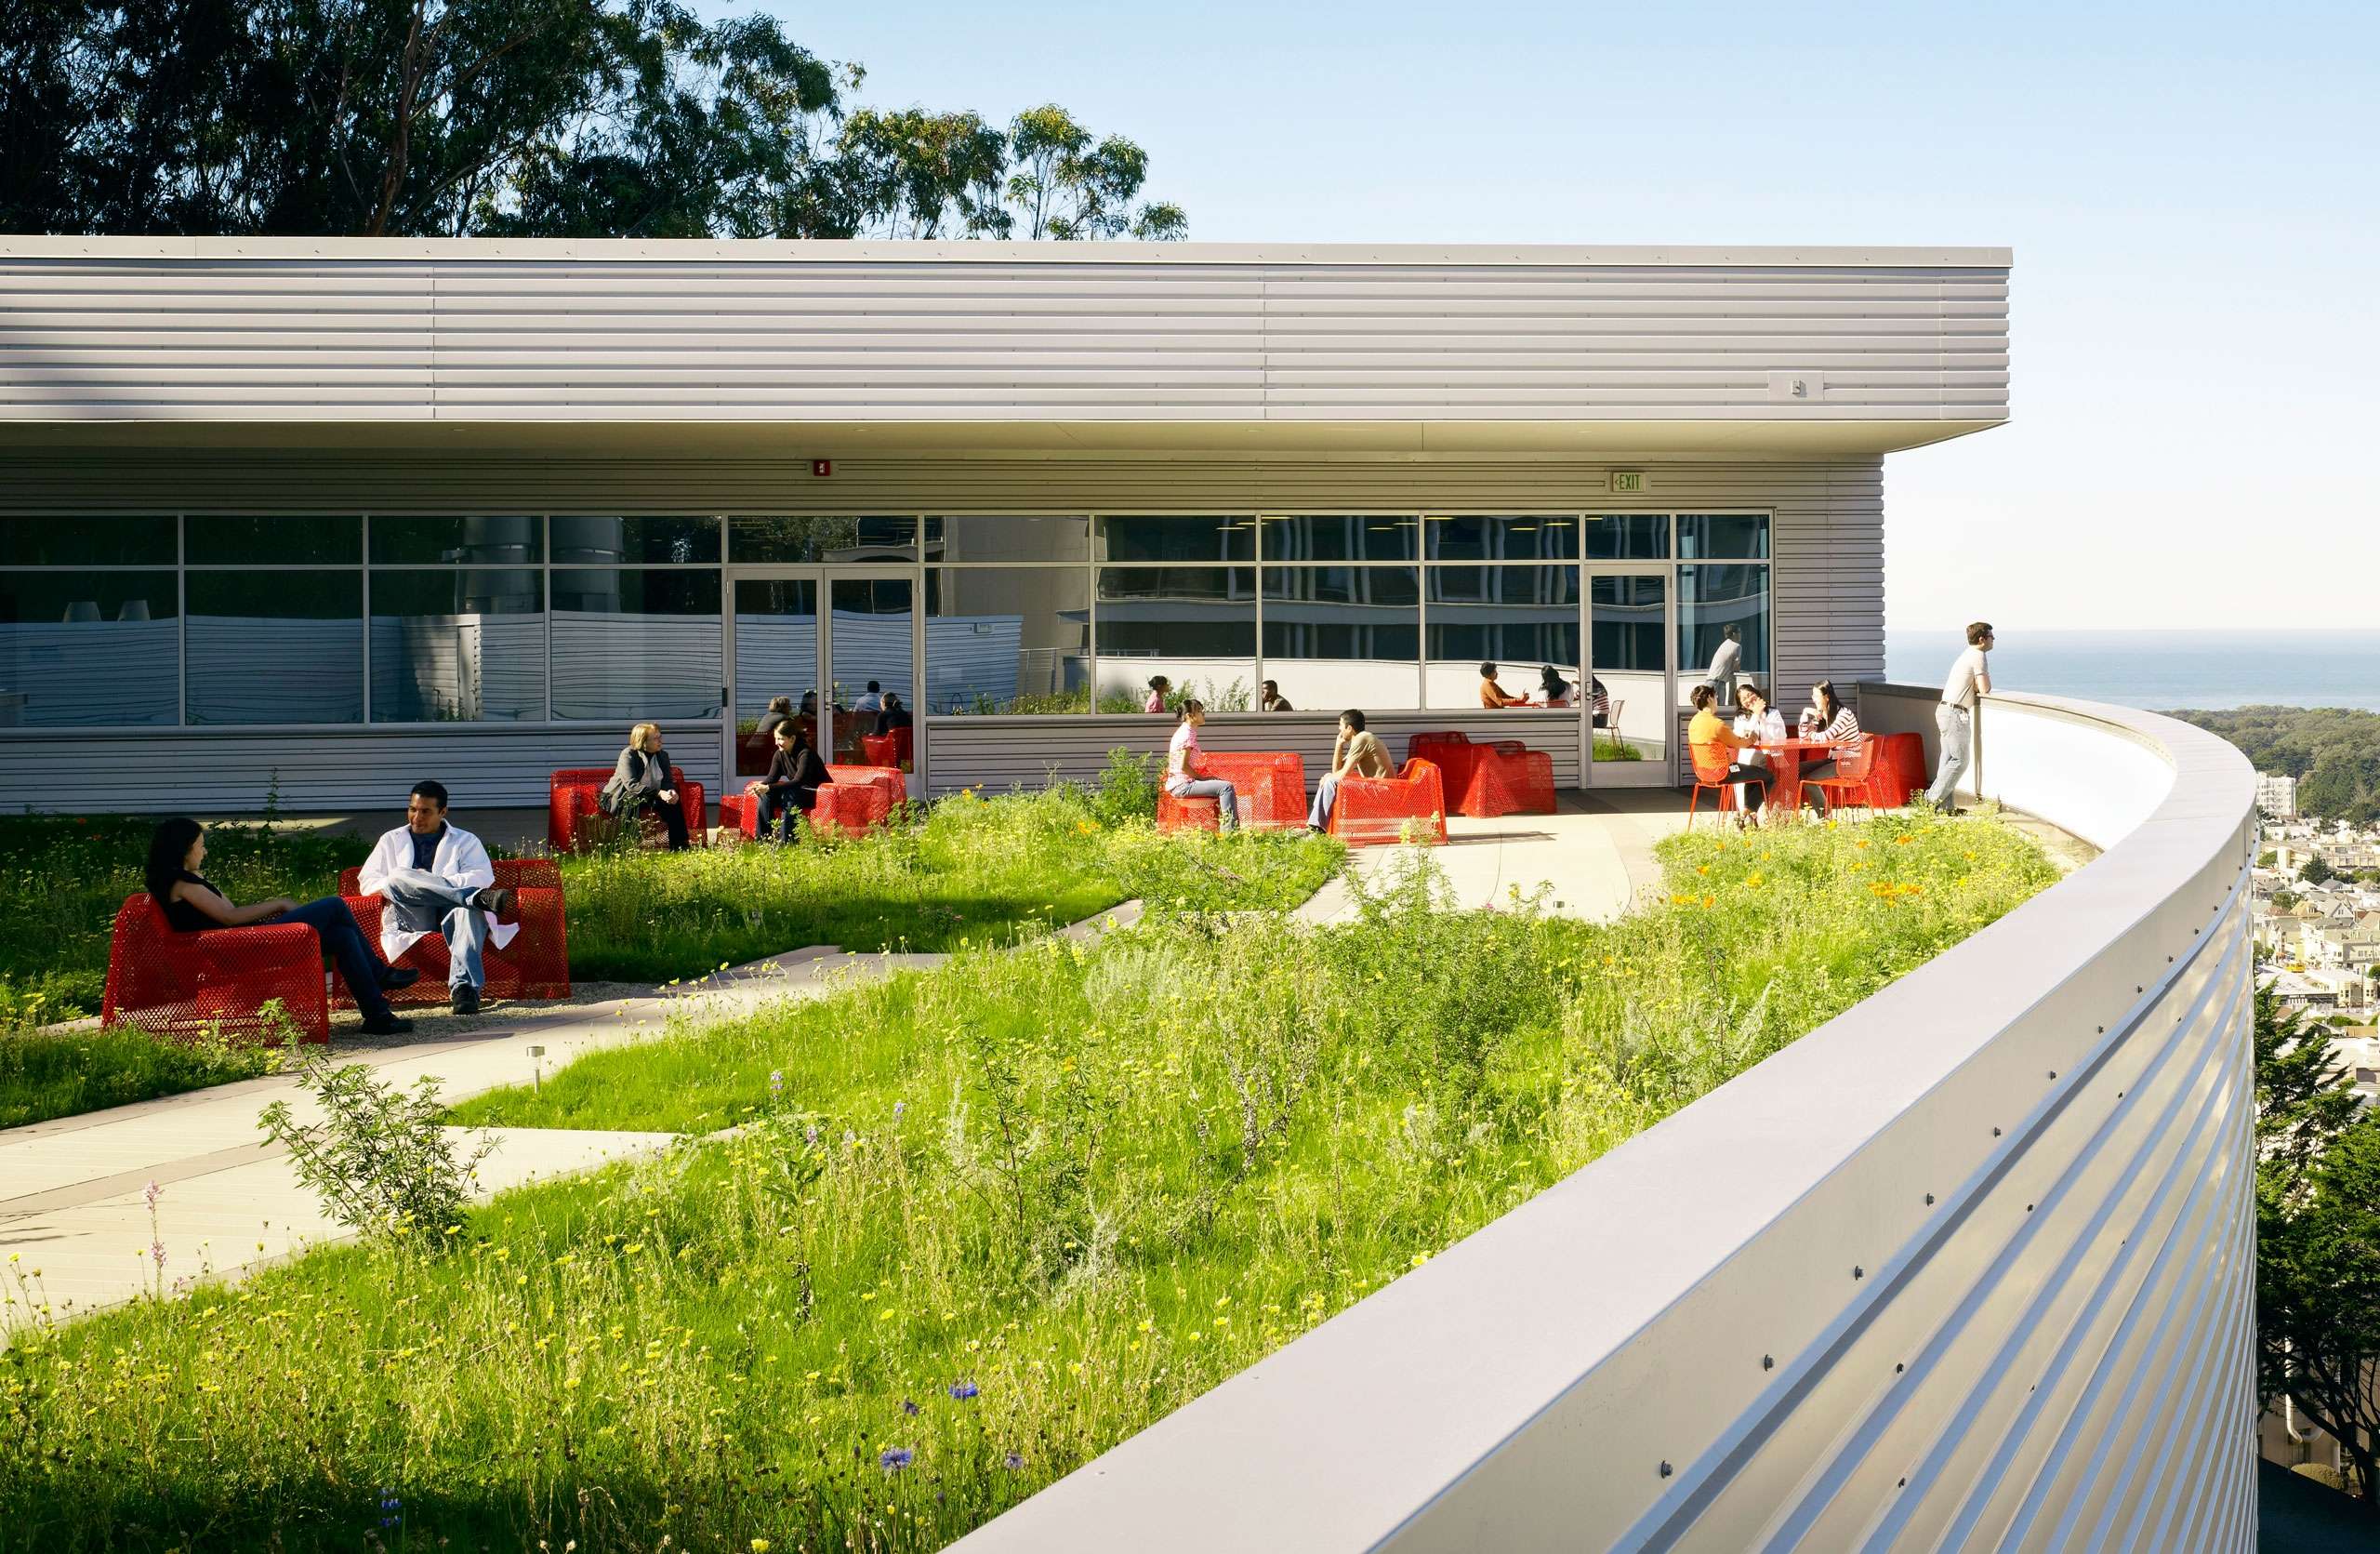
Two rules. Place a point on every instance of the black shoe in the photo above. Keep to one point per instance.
(394, 978)
(494, 899)
(388, 1025)
(463, 998)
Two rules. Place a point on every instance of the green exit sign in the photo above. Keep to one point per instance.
(1627, 483)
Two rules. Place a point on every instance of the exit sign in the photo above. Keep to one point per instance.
(821, 467)
(1627, 483)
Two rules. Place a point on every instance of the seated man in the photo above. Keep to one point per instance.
(1356, 752)
(436, 879)
(1493, 695)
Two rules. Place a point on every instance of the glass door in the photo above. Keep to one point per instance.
(776, 647)
(872, 666)
(1631, 730)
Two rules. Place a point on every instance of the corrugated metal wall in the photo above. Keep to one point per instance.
(813, 336)
(1828, 576)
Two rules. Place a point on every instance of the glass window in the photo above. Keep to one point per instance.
(820, 539)
(1726, 536)
(1343, 636)
(1386, 536)
(267, 647)
(1520, 618)
(1007, 640)
(89, 649)
(636, 646)
(81, 541)
(869, 637)
(1472, 538)
(458, 646)
(1710, 599)
(1168, 538)
(1628, 536)
(658, 541)
(1194, 625)
(218, 541)
(1005, 538)
(472, 542)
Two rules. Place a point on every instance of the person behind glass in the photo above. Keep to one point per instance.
(895, 715)
(1598, 702)
(191, 905)
(795, 773)
(1970, 681)
(1551, 689)
(1724, 664)
(1273, 700)
(1710, 740)
(1826, 718)
(1758, 723)
(780, 711)
(871, 699)
(435, 878)
(1493, 695)
(1158, 686)
(640, 781)
(1356, 752)
(1184, 762)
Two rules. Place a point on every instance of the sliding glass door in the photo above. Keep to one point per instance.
(1631, 726)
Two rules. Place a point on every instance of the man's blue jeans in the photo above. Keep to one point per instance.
(334, 922)
(1326, 799)
(1226, 797)
(425, 904)
(1957, 727)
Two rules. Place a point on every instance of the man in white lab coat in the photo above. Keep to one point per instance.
(436, 879)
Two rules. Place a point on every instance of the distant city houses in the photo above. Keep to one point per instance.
(2318, 941)
(2277, 795)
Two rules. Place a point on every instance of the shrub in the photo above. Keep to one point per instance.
(380, 1160)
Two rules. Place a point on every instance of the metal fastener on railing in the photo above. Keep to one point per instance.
(1665, 1471)
(1858, 1272)
(1768, 1362)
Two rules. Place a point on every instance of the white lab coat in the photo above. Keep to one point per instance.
(459, 860)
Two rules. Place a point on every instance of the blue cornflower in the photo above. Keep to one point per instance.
(963, 1390)
(1012, 1462)
(898, 1107)
(810, 1133)
(777, 1082)
(908, 1408)
(894, 1458)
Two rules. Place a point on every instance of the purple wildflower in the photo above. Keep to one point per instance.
(810, 1133)
(963, 1390)
(898, 1107)
(391, 1508)
(1012, 1462)
(908, 1408)
(777, 1082)
(896, 1458)
(157, 1252)
(150, 1194)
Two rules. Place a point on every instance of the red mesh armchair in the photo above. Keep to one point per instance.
(1372, 811)
(1854, 772)
(174, 984)
(898, 749)
(535, 964)
(1507, 778)
(1271, 786)
(1452, 753)
(853, 799)
(572, 795)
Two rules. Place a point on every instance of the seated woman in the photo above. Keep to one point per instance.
(1159, 686)
(640, 781)
(1711, 741)
(178, 848)
(1553, 690)
(1758, 723)
(1183, 762)
(795, 774)
(1598, 702)
(1826, 718)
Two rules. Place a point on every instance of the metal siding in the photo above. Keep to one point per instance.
(522, 338)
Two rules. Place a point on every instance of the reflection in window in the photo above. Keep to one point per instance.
(870, 636)
(1024, 538)
(1381, 538)
(655, 542)
(1519, 617)
(776, 652)
(305, 541)
(1478, 538)
(1168, 538)
(457, 646)
(472, 541)
(631, 646)
(1194, 625)
(1628, 536)
(1344, 636)
(1629, 638)
(81, 540)
(1007, 640)
(823, 539)
(274, 648)
(1711, 599)
(89, 649)
(1726, 536)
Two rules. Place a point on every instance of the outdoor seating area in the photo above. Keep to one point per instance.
(176, 984)
(574, 815)
(1482, 781)
(1375, 812)
(855, 799)
(535, 965)
(1271, 786)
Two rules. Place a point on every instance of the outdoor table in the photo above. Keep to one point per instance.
(1785, 760)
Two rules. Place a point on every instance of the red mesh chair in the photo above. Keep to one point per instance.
(858, 797)
(1854, 771)
(1710, 775)
(535, 964)
(1271, 789)
(1507, 778)
(573, 794)
(898, 749)
(1896, 770)
(1452, 755)
(1371, 811)
(1192, 814)
(174, 984)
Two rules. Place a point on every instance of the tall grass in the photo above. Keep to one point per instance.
(978, 1225)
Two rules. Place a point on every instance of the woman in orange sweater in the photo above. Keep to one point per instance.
(1711, 741)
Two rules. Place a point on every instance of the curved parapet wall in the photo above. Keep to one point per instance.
(1969, 1267)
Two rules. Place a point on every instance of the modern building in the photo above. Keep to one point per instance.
(319, 517)
(2277, 795)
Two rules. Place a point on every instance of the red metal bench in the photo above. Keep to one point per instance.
(1271, 785)
(1371, 811)
(1501, 777)
(573, 795)
(535, 964)
(175, 984)
(898, 749)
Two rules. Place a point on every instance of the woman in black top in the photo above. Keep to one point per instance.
(795, 774)
(640, 781)
(177, 848)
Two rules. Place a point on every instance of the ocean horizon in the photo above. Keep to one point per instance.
(2163, 671)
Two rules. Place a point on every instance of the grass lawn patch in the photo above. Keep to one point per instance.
(46, 1076)
(981, 1222)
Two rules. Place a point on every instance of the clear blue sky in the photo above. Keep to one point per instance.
(2191, 192)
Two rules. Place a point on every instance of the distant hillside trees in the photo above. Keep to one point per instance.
(532, 118)
(2333, 753)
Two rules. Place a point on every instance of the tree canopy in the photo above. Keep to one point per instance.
(533, 118)
(2334, 752)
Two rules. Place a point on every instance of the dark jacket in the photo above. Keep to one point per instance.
(769, 721)
(636, 778)
(799, 769)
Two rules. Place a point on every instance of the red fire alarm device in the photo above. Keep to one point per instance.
(822, 468)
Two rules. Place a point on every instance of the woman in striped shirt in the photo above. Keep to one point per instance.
(1826, 718)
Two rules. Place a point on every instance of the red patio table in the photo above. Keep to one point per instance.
(1785, 760)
